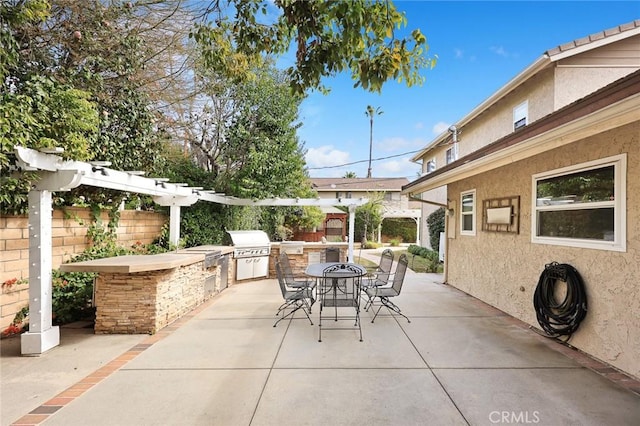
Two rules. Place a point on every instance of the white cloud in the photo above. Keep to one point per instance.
(499, 50)
(400, 167)
(392, 144)
(419, 125)
(458, 53)
(326, 156)
(440, 127)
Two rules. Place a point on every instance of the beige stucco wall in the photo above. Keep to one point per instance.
(497, 121)
(438, 195)
(503, 269)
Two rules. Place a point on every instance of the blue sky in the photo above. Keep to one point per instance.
(480, 47)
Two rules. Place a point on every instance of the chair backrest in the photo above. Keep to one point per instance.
(401, 269)
(285, 264)
(345, 280)
(384, 267)
(281, 279)
(332, 254)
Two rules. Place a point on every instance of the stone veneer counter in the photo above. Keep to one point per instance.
(134, 263)
(141, 294)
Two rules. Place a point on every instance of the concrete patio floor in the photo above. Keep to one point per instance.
(458, 362)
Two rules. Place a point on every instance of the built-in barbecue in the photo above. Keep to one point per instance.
(251, 250)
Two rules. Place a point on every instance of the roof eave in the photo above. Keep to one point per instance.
(544, 135)
(541, 63)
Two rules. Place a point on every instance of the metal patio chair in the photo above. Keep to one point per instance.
(293, 281)
(294, 298)
(380, 276)
(384, 293)
(339, 289)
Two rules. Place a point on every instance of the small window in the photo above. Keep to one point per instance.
(452, 153)
(520, 115)
(582, 205)
(431, 165)
(468, 213)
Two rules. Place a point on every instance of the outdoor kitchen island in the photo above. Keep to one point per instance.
(141, 294)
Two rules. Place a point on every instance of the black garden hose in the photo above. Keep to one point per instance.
(560, 318)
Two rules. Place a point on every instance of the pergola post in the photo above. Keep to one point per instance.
(352, 222)
(41, 336)
(417, 220)
(174, 225)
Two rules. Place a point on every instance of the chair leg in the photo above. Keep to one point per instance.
(299, 304)
(392, 307)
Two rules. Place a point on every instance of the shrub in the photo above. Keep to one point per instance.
(72, 296)
(394, 242)
(433, 264)
(435, 221)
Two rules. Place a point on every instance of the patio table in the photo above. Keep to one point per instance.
(340, 288)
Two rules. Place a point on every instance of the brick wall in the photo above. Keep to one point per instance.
(69, 230)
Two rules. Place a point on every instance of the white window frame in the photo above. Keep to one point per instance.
(454, 154)
(472, 213)
(521, 112)
(619, 205)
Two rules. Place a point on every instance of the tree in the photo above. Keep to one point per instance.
(350, 175)
(369, 216)
(370, 112)
(328, 38)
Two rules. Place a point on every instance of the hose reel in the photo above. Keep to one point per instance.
(560, 318)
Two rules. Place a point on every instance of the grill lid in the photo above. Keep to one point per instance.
(249, 238)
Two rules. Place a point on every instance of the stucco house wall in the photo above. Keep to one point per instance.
(503, 269)
(577, 76)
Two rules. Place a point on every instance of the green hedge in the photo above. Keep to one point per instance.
(430, 255)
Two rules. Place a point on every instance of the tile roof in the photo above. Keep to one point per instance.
(600, 35)
(358, 184)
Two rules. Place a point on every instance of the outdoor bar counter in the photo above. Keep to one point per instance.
(141, 294)
(303, 253)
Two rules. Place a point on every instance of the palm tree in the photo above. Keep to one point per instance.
(350, 175)
(370, 112)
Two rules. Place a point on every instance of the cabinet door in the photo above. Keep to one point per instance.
(261, 266)
(244, 268)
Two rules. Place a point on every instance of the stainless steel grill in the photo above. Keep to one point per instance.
(251, 251)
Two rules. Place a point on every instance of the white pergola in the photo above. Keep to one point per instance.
(414, 214)
(57, 174)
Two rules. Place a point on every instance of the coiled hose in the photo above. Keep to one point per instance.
(560, 318)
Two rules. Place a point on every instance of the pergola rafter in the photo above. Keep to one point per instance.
(57, 174)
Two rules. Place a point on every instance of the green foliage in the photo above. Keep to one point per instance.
(435, 222)
(79, 90)
(394, 242)
(329, 37)
(41, 113)
(371, 245)
(432, 263)
(402, 229)
(368, 217)
(72, 296)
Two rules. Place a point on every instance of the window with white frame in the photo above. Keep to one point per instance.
(468, 212)
(521, 115)
(431, 165)
(452, 153)
(582, 205)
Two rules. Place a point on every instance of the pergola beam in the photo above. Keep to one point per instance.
(57, 174)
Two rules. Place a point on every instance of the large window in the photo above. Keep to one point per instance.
(468, 213)
(582, 205)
